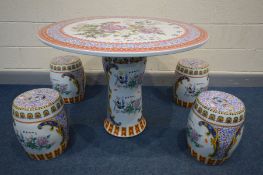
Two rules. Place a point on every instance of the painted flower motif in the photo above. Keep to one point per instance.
(37, 143)
(123, 106)
(194, 136)
(42, 141)
(137, 103)
(116, 29)
(132, 107)
(128, 81)
(112, 27)
(150, 30)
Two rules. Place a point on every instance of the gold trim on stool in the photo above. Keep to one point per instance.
(50, 155)
(205, 160)
(73, 99)
(183, 103)
(125, 131)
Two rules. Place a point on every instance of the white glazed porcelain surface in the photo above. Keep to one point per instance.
(187, 88)
(124, 30)
(43, 136)
(40, 121)
(210, 140)
(125, 98)
(215, 125)
(123, 36)
(69, 83)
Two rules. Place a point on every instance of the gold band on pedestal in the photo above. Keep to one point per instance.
(125, 131)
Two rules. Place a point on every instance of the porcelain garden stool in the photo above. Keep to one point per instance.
(191, 79)
(40, 123)
(215, 126)
(68, 77)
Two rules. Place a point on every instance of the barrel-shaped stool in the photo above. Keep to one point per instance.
(215, 126)
(40, 123)
(191, 79)
(67, 76)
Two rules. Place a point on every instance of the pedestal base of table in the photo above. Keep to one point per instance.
(130, 131)
(124, 111)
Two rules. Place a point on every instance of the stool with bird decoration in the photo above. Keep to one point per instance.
(68, 77)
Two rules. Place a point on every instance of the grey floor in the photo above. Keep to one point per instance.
(160, 149)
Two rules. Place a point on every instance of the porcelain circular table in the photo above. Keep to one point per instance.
(124, 43)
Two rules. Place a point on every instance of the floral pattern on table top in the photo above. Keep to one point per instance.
(113, 36)
(124, 30)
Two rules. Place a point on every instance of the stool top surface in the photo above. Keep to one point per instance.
(36, 98)
(193, 63)
(65, 60)
(221, 102)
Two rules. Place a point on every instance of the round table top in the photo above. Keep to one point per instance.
(123, 36)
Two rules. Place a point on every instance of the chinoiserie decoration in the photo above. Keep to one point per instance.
(191, 79)
(40, 123)
(68, 77)
(123, 43)
(215, 126)
(124, 114)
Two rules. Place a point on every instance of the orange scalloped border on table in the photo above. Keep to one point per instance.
(44, 36)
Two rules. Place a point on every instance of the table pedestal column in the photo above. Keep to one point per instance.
(124, 111)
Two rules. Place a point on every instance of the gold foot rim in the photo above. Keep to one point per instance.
(205, 160)
(183, 103)
(125, 132)
(73, 99)
(51, 155)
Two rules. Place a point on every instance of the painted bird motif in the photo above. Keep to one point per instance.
(180, 81)
(119, 103)
(73, 80)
